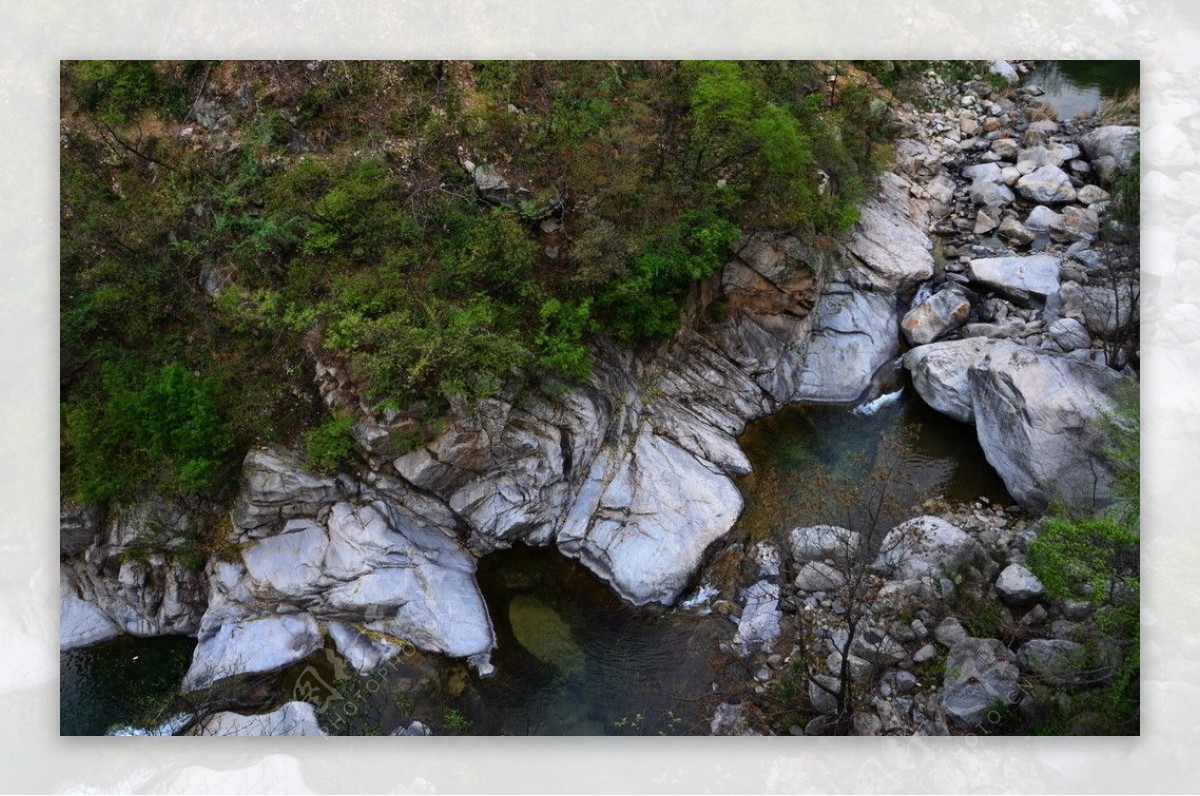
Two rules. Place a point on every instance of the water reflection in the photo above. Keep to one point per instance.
(1077, 87)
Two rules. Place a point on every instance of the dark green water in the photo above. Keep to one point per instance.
(1075, 87)
(604, 668)
(120, 682)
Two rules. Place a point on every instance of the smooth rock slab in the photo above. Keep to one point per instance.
(1025, 279)
(251, 645)
(854, 334)
(82, 623)
(981, 676)
(293, 718)
(644, 525)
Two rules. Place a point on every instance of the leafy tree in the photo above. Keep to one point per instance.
(329, 447)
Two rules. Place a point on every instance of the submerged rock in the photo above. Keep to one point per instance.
(540, 629)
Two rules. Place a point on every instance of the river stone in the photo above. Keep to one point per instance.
(541, 631)
(949, 632)
(1005, 148)
(1110, 148)
(1042, 219)
(1091, 194)
(1005, 70)
(1025, 279)
(1033, 416)
(1069, 334)
(293, 718)
(821, 699)
(82, 623)
(1048, 184)
(991, 193)
(730, 719)
(874, 645)
(1014, 231)
(818, 542)
(940, 314)
(819, 576)
(758, 628)
(986, 221)
(1018, 586)
(925, 546)
(981, 676)
(1055, 661)
(253, 644)
(1076, 223)
(939, 374)
(1104, 309)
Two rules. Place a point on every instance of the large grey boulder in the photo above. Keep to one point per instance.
(981, 676)
(818, 542)
(276, 486)
(1042, 219)
(940, 314)
(1069, 334)
(1047, 185)
(939, 373)
(819, 576)
(1034, 415)
(1005, 70)
(292, 718)
(1026, 280)
(1110, 148)
(643, 521)
(926, 546)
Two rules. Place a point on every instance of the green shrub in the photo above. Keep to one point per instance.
(329, 447)
(166, 432)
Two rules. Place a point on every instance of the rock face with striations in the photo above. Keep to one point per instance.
(1033, 413)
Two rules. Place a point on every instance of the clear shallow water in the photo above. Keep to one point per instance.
(809, 459)
(1075, 87)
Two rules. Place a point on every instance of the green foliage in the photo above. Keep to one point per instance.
(116, 91)
(1125, 212)
(1097, 559)
(329, 447)
(166, 430)
(561, 341)
(645, 303)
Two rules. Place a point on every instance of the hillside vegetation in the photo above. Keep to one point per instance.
(224, 223)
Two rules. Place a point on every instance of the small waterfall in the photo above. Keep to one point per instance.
(871, 407)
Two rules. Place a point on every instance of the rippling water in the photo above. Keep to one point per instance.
(1075, 87)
